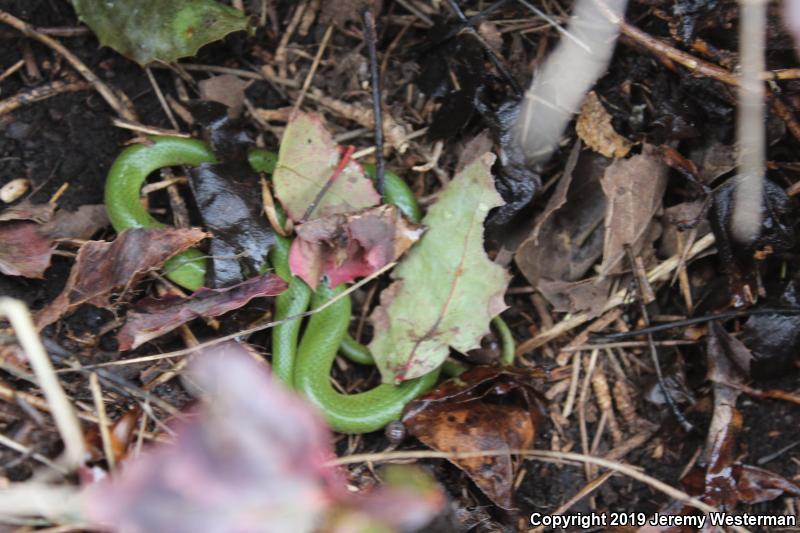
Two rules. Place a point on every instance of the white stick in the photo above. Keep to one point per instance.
(560, 86)
(63, 413)
(746, 221)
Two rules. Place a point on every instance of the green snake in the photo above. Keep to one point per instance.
(307, 365)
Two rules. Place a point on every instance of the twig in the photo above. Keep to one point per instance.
(100, 407)
(280, 52)
(377, 107)
(673, 405)
(147, 130)
(120, 103)
(42, 92)
(63, 412)
(21, 448)
(314, 65)
(12, 69)
(537, 455)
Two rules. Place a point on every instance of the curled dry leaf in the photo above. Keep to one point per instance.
(307, 159)
(634, 189)
(254, 458)
(24, 251)
(595, 130)
(27, 232)
(567, 239)
(344, 247)
(155, 317)
(446, 290)
(102, 267)
(483, 409)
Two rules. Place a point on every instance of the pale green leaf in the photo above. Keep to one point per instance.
(159, 30)
(447, 290)
(306, 161)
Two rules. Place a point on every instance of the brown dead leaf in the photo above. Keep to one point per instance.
(24, 251)
(344, 247)
(586, 296)
(79, 224)
(27, 211)
(225, 89)
(102, 267)
(634, 189)
(460, 416)
(595, 130)
(567, 239)
(156, 317)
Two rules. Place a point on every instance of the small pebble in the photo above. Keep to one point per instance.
(14, 189)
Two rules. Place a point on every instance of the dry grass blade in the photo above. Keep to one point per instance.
(63, 412)
(537, 455)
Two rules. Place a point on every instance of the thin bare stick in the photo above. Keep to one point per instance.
(314, 65)
(42, 92)
(100, 407)
(63, 412)
(377, 102)
(21, 448)
(537, 455)
(120, 103)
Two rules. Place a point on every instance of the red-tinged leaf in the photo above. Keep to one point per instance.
(464, 415)
(253, 458)
(28, 211)
(345, 247)
(307, 159)
(24, 251)
(156, 317)
(101, 267)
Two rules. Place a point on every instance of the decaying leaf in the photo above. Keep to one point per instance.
(634, 189)
(226, 89)
(344, 247)
(28, 232)
(79, 224)
(586, 296)
(595, 130)
(253, 458)
(25, 210)
(567, 239)
(483, 409)
(717, 478)
(307, 159)
(24, 251)
(102, 267)
(446, 289)
(155, 317)
(159, 30)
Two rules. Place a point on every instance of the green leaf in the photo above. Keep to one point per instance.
(307, 159)
(447, 290)
(159, 30)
